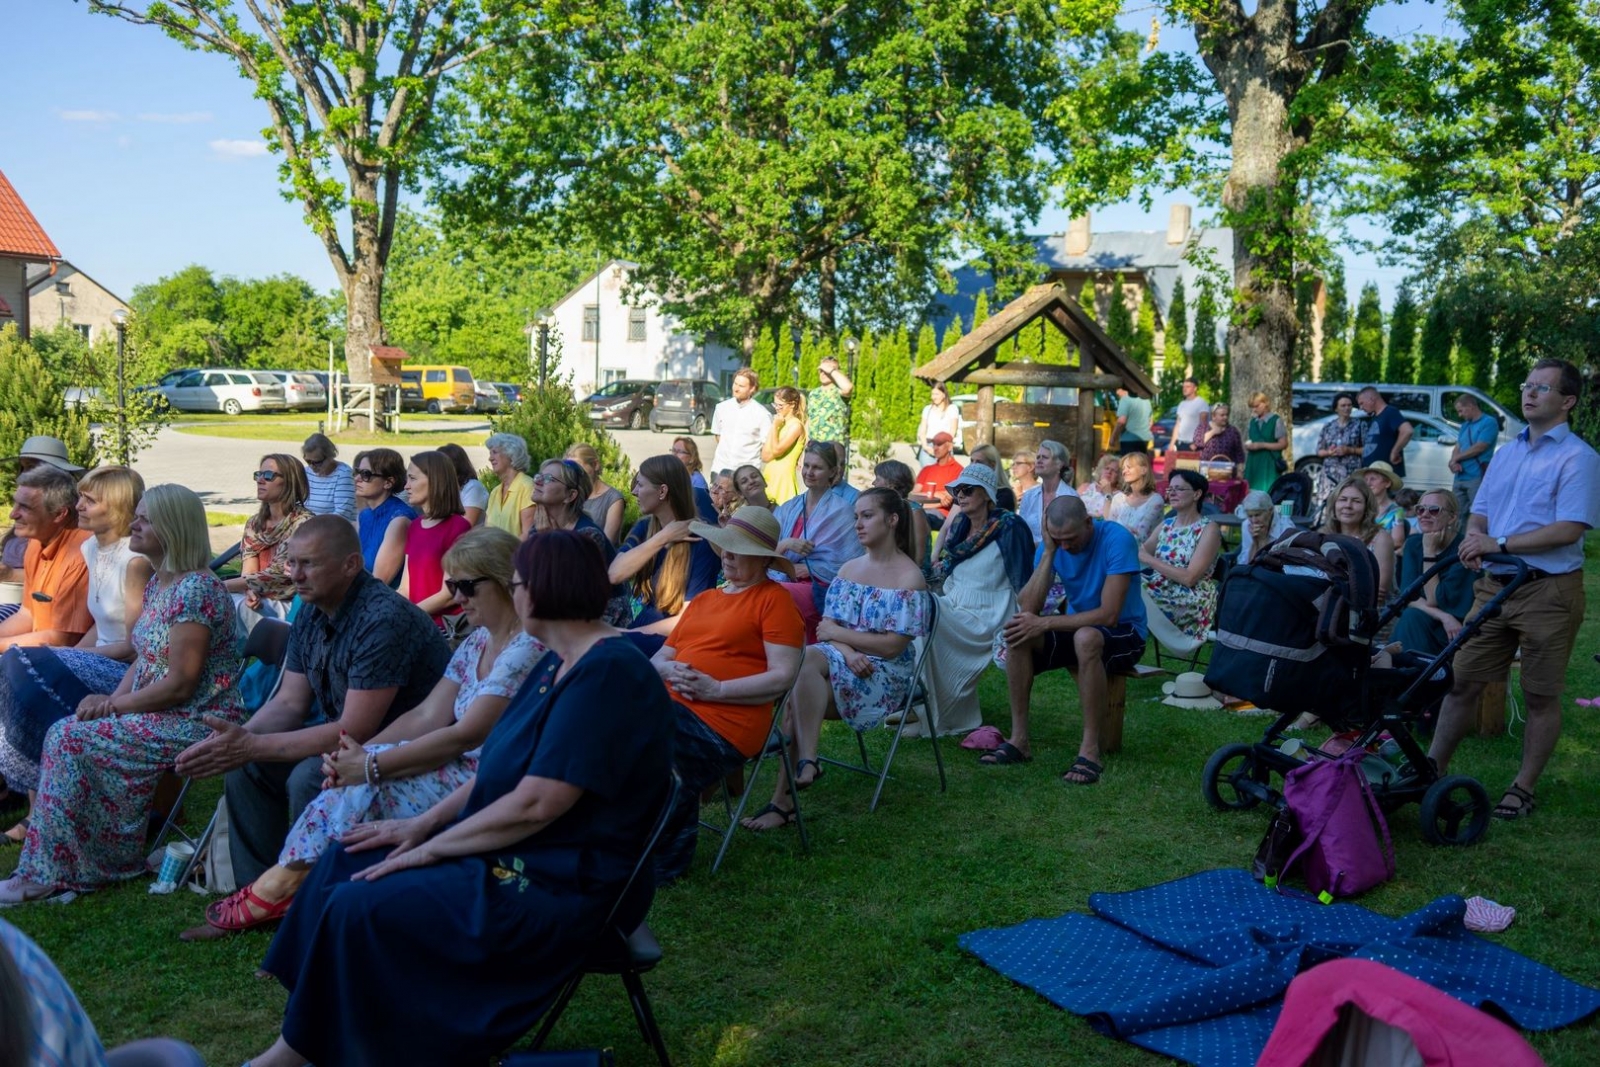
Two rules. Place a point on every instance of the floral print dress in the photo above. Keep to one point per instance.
(1335, 469)
(865, 702)
(1140, 519)
(1191, 610)
(98, 777)
(335, 811)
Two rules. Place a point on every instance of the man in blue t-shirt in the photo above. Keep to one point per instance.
(1388, 432)
(1474, 445)
(1100, 631)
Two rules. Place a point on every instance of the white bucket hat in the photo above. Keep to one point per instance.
(1189, 690)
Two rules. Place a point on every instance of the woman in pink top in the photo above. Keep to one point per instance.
(435, 492)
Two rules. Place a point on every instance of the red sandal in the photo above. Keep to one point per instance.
(232, 913)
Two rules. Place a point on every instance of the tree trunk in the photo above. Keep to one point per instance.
(1259, 70)
(364, 297)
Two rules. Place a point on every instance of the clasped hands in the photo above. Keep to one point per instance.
(860, 663)
(346, 764)
(1022, 627)
(688, 682)
(95, 706)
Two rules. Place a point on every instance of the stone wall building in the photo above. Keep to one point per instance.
(70, 296)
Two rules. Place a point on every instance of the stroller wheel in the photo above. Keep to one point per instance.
(1229, 766)
(1455, 811)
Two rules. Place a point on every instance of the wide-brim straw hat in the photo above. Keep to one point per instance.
(1189, 690)
(751, 531)
(45, 449)
(1381, 467)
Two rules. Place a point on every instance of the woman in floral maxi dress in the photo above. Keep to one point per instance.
(861, 667)
(102, 764)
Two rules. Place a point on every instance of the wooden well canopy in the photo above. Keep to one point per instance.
(974, 360)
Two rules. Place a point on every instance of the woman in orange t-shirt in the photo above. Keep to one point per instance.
(734, 652)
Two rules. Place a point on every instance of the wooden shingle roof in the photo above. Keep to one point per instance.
(978, 348)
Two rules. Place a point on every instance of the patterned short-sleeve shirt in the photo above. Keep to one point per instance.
(376, 640)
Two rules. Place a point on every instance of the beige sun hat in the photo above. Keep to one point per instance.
(45, 449)
(751, 531)
(1382, 467)
(1189, 690)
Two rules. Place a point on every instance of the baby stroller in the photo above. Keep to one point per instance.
(1296, 632)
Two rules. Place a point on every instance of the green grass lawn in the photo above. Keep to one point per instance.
(847, 955)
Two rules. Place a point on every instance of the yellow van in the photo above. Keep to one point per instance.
(437, 388)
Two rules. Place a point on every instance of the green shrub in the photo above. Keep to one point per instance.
(32, 402)
(552, 421)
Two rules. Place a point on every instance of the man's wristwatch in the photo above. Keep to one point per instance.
(1500, 543)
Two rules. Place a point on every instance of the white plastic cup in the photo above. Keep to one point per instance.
(178, 855)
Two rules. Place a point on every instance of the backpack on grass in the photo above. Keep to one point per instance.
(1344, 846)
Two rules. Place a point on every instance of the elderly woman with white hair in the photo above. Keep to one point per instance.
(511, 506)
(1263, 524)
(101, 764)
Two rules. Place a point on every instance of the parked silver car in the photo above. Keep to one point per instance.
(1427, 453)
(225, 389)
(302, 390)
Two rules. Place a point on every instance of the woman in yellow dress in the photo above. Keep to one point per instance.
(784, 444)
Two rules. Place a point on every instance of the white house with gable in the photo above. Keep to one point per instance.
(604, 338)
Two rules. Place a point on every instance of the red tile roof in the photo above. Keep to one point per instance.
(390, 353)
(21, 235)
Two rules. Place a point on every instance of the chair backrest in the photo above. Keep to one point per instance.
(227, 556)
(268, 642)
(674, 783)
(927, 642)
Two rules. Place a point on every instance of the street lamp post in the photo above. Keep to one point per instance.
(538, 332)
(850, 347)
(119, 319)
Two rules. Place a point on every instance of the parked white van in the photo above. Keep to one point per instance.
(1313, 400)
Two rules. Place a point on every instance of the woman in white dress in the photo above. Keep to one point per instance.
(984, 556)
(39, 684)
(860, 667)
(425, 754)
(939, 415)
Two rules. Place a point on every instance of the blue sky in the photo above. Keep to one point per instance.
(139, 157)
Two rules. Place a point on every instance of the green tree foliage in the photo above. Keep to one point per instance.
(764, 360)
(1336, 328)
(1204, 352)
(1366, 340)
(1435, 347)
(1087, 298)
(1305, 292)
(33, 401)
(1119, 318)
(72, 361)
(1143, 348)
(454, 296)
(1404, 321)
(278, 322)
(1174, 345)
(347, 86)
(980, 309)
(552, 420)
(178, 319)
(749, 146)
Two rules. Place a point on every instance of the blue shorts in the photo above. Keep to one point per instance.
(1124, 648)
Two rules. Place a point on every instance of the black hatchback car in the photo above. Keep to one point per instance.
(626, 404)
(685, 404)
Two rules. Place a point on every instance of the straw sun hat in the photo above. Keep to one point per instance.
(751, 531)
(1189, 690)
(1383, 468)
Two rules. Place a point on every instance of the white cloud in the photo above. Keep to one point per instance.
(176, 118)
(238, 149)
(85, 115)
(124, 141)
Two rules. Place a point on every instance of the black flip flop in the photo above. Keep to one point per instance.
(770, 809)
(799, 769)
(1088, 772)
(1005, 754)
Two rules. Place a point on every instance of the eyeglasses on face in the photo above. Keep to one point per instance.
(265, 476)
(1429, 509)
(545, 479)
(467, 587)
(1536, 388)
(362, 474)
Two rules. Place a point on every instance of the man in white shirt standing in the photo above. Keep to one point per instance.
(1193, 413)
(740, 425)
(1539, 498)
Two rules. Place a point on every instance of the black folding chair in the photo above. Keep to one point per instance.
(619, 952)
(269, 643)
(777, 745)
(916, 697)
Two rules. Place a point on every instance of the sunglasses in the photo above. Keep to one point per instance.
(467, 587)
(1429, 509)
(364, 475)
(265, 476)
(959, 491)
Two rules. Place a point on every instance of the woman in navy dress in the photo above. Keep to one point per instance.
(442, 939)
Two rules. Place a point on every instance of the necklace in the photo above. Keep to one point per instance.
(106, 558)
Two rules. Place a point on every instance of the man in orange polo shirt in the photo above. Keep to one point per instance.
(55, 584)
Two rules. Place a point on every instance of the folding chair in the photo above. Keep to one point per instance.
(916, 696)
(1179, 645)
(777, 745)
(628, 955)
(269, 643)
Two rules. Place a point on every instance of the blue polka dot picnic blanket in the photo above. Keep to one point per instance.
(1196, 968)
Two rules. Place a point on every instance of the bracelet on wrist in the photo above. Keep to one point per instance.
(367, 767)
